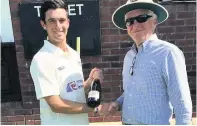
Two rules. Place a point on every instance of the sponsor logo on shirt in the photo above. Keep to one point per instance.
(74, 85)
(61, 68)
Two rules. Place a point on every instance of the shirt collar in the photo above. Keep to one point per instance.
(145, 44)
(54, 49)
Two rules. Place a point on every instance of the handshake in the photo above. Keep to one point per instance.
(105, 109)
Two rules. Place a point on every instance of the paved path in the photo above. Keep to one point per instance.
(119, 123)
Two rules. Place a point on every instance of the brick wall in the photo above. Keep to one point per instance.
(179, 29)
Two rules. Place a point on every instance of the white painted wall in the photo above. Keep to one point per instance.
(6, 32)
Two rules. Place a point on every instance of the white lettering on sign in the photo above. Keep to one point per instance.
(79, 5)
(38, 10)
(71, 9)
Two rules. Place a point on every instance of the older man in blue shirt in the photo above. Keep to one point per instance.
(154, 71)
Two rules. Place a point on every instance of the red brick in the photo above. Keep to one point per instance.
(8, 123)
(116, 118)
(110, 45)
(125, 37)
(109, 31)
(188, 67)
(29, 99)
(181, 15)
(191, 21)
(108, 95)
(108, 119)
(194, 67)
(24, 75)
(17, 36)
(166, 29)
(114, 38)
(112, 9)
(194, 114)
(15, 118)
(96, 119)
(190, 35)
(113, 3)
(171, 16)
(121, 57)
(115, 82)
(184, 42)
(122, 2)
(22, 111)
(116, 77)
(90, 114)
(192, 7)
(104, 3)
(189, 48)
(125, 44)
(96, 59)
(106, 52)
(188, 55)
(19, 48)
(5, 112)
(29, 122)
(106, 82)
(101, 65)
(175, 36)
(174, 22)
(181, 7)
(123, 32)
(105, 17)
(105, 24)
(27, 87)
(112, 71)
(36, 111)
(116, 89)
(114, 51)
(20, 123)
(14, 7)
(112, 26)
(32, 117)
(118, 113)
(107, 78)
(185, 29)
(105, 90)
(37, 122)
(116, 65)
(104, 11)
(123, 51)
(110, 58)
(4, 119)
(22, 69)
(191, 61)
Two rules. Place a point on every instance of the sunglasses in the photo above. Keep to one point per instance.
(139, 19)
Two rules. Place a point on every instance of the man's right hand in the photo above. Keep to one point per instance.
(113, 107)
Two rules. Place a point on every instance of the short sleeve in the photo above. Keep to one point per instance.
(45, 82)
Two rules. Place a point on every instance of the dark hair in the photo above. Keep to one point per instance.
(52, 4)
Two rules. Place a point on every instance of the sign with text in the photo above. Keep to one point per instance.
(84, 23)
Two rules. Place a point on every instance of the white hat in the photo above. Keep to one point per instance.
(119, 14)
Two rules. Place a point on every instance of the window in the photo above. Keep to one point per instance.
(6, 32)
(10, 86)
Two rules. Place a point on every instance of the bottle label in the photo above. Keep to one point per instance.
(93, 94)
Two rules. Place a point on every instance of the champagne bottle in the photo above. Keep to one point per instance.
(94, 95)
